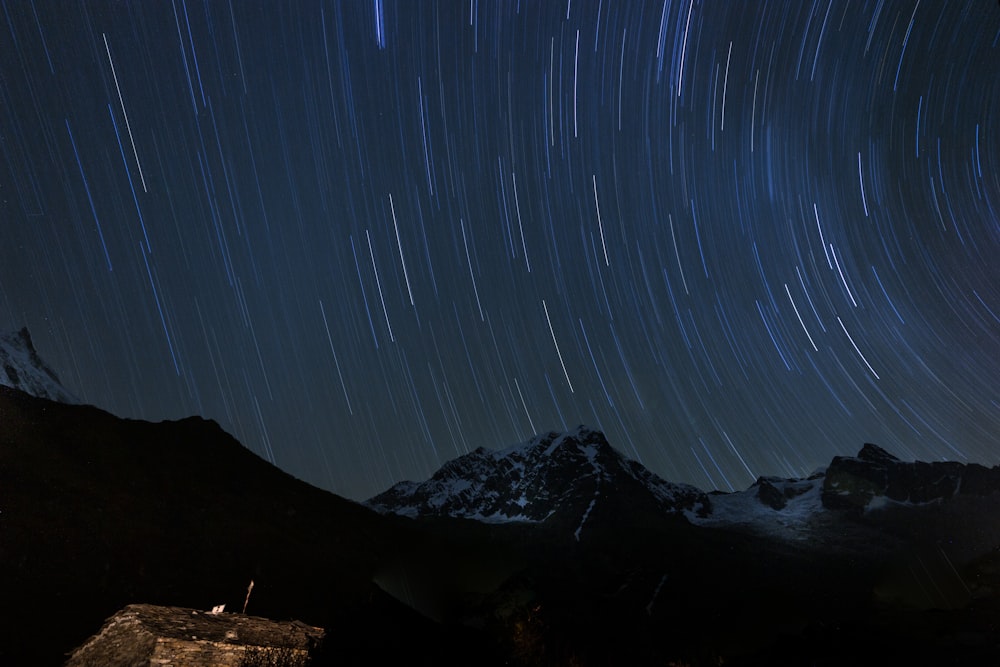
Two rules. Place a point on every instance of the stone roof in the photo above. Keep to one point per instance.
(143, 634)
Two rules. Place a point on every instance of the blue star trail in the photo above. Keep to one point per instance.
(367, 237)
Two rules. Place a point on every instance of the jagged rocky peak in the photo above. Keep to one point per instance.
(875, 477)
(22, 368)
(533, 480)
(875, 454)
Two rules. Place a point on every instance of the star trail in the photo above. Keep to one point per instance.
(367, 237)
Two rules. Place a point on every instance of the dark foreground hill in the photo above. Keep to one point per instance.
(97, 512)
(587, 558)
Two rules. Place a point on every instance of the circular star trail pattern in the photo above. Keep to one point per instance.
(368, 237)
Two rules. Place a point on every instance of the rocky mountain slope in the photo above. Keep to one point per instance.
(552, 473)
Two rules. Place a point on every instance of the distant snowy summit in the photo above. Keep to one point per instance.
(21, 368)
(552, 473)
(578, 475)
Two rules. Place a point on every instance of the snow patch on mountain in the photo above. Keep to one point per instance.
(590, 451)
(590, 508)
(750, 510)
(21, 368)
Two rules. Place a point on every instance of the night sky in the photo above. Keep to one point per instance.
(367, 237)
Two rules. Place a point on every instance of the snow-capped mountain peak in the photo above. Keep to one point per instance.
(570, 480)
(22, 368)
(533, 480)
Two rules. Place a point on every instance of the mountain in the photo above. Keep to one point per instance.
(565, 473)
(875, 479)
(868, 560)
(572, 474)
(22, 368)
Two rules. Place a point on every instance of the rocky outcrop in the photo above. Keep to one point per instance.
(770, 495)
(152, 635)
(853, 483)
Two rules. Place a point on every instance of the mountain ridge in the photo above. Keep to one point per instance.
(566, 476)
(868, 551)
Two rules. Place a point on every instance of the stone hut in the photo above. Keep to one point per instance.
(144, 634)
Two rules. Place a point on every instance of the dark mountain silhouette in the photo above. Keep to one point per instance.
(97, 512)
(557, 551)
